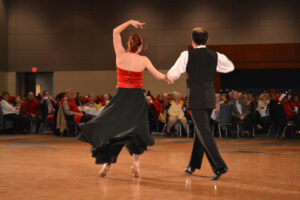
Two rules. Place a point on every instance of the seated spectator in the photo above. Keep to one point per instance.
(18, 102)
(47, 105)
(78, 100)
(251, 104)
(72, 111)
(31, 107)
(263, 101)
(290, 113)
(241, 113)
(263, 120)
(249, 100)
(106, 99)
(176, 113)
(160, 108)
(224, 99)
(10, 113)
(31, 110)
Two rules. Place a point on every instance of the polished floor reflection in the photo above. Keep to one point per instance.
(56, 168)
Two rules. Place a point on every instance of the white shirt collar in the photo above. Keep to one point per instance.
(201, 46)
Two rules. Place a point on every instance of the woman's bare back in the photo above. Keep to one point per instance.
(131, 62)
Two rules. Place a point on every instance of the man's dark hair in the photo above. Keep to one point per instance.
(199, 35)
(5, 93)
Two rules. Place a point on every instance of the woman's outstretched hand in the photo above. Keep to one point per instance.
(137, 24)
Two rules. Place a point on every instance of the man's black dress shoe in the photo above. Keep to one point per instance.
(189, 170)
(219, 173)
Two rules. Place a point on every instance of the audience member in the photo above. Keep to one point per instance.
(78, 100)
(262, 108)
(31, 111)
(11, 114)
(47, 105)
(241, 113)
(31, 107)
(72, 111)
(176, 113)
(106, 99)
(290, 113)
(18, 103)
(224, 99)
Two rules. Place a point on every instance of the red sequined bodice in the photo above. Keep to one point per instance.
(129, 79)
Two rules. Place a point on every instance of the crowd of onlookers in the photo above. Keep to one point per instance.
(255, 113)
(64, 112)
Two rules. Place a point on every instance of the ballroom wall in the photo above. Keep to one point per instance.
(3, 46)
(3, 36)
(88, 82)
(73, 38)
(76, 35)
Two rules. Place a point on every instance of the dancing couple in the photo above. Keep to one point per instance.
(124, 121)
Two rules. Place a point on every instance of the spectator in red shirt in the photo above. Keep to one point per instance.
(295, 103)
(71, 109)
(290, 113)
(31, 111)
(31, 107)
(158, 104)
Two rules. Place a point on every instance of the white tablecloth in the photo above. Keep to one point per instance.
(92, 112)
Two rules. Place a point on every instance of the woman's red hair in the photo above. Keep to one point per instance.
(135, 41)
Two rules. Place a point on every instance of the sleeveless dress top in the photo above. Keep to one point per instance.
(129, 79)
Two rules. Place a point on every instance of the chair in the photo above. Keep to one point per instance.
(239, 124)
(291, 124)
(178, 128)
(45, 126)
(4, 124)
(225, 118)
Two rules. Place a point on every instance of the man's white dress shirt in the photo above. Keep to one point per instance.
(224, 65)
(7, 108)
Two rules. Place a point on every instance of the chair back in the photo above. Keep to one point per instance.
(225, 114)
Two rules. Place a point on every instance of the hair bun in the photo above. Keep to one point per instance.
(135, 41)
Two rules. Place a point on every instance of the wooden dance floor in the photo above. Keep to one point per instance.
(59, 168)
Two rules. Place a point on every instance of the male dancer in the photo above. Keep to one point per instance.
(201, 65)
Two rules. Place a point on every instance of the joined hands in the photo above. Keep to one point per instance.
(168, 80)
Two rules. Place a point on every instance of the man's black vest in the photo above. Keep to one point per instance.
(201, 69)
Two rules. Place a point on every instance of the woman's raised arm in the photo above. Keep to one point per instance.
(117, 41)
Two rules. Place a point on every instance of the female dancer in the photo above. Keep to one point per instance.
(124, 121)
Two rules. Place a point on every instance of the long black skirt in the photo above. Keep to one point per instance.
(124, 121)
